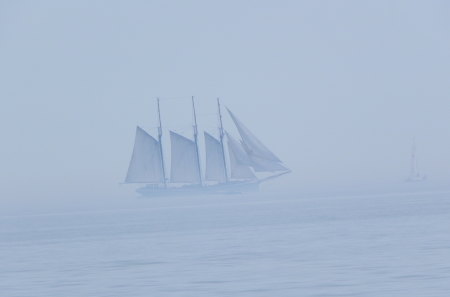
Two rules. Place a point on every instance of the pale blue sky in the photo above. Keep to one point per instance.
(336, 88)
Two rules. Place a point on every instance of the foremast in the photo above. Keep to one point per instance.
(196, 142)
(160, 145)
(221, 135)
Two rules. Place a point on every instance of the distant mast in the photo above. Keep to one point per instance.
(196, 142)
(160, 145)
(415, 175)
(413, 160)
(221, 133)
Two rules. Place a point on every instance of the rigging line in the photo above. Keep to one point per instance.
(173, 98)
(207, 114)
(148, 127)
(178, 127)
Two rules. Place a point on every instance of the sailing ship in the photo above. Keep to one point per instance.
(248, 162)
(415, 175)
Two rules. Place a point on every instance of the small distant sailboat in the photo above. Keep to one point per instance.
(415, 175)
(247, 159)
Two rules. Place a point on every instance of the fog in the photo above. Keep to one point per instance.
(337, 89)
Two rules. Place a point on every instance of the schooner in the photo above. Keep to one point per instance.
(237, 171)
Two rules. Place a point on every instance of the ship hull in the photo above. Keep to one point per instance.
(194, 190)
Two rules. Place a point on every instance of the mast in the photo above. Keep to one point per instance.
(196, 142)
(221, 133)
(160, 145)
(413, 159)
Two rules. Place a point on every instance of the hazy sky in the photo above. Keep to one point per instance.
(337, 89)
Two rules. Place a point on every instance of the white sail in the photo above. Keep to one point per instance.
(146, 164)
(239, 160)
(263, 165)
(251, 144)
(215, 166)
(184, 163)
(261, 158)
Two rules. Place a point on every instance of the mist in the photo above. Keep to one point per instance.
(337, 90)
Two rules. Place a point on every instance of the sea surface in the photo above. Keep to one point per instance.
(270, 244)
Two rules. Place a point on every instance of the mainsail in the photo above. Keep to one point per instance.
(215, 166)
(239, 160)
(261, 158)
(184, 164)
(146, 164)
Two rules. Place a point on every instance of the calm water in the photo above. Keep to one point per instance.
(267, 245)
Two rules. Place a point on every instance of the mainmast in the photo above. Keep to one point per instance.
(196, 142)
(160, 144)
(221, 133)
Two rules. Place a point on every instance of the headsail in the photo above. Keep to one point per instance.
(146, 164)
(215, 169)
(239, 160)
(184, 164)
(261, 158)
(253, 145)
(263, 165)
